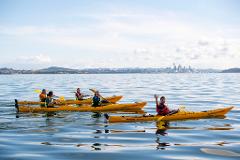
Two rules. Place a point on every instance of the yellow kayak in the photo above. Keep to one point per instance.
(112, 99)
(181, 115)
(85, 108)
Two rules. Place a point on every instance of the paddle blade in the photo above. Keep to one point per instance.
(182, 108)
(93, 90)
(61, 98)
(37, 91)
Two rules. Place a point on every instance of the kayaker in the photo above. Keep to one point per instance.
(96, 99)
(43, 95)
(161, 108)
(79, 95)
(49, 100)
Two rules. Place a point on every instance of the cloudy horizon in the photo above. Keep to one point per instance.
(118, 34)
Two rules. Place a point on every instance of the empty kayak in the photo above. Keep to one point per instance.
(181, 115)
(85, 108)
(112, 99)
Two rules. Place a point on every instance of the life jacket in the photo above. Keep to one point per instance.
(78, 96)
(42, 97)
(162, 109)
(96, 101)
(49, 101)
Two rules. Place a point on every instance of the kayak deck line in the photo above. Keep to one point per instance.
(111, 99)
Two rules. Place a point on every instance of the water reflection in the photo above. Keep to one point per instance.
(50, 114)
(162, 127)
(161, 145)
(67, 133)
(17, 114)
(106, 130)
(96, 146)
(96, 115)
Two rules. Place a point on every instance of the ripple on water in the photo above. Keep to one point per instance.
(75, 135)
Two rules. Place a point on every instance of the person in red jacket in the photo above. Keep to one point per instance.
(161, 108)
(79, 95)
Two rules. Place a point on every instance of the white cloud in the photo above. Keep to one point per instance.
(203, 42)
(39, 59)
(143, 40)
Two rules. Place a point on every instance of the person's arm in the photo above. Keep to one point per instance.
(81, 96)
(166, 106)
(50, 102)
(156, 99)
(78, 96)
(85, 95)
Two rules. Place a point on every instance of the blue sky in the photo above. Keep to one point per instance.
(123, 33)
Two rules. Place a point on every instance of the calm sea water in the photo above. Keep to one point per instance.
(76, 135)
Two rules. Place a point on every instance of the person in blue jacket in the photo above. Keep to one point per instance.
(96, 99)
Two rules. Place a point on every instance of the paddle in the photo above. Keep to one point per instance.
(160, 118)
(61, 98)
(94, 91)
(37, 90)
(83, 95)
(181, 109)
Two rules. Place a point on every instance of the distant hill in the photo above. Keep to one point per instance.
(57, 70)
(50, 70)
(13, 71)
(231, 70)
(7, 71)
(62, 70)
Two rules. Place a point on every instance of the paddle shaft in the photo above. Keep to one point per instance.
(94, 91)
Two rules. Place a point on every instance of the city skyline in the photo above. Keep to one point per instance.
(119, 34)
(170, 69)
